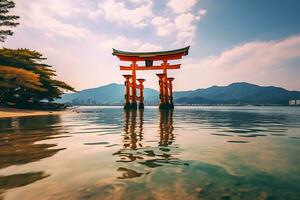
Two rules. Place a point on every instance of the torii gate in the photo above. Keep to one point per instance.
(165, 82)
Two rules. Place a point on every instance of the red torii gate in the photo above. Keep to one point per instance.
(165, 82)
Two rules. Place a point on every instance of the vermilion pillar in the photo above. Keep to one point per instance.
(141, 89)
(127, 91)
(165, 82)
(170, 87)
(133, 82)
(165, 85)
(162, 91)
(166, 90)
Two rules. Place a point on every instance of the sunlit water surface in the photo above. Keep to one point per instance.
(190, 153)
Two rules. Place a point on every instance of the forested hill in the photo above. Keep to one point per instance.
(235, 93)
(107, 94)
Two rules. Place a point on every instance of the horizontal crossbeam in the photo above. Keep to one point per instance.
(150, 68)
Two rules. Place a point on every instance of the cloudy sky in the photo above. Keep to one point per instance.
(255, 41)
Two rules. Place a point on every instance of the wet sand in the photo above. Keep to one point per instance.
(12, 112)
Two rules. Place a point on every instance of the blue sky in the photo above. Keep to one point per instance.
(255, 41)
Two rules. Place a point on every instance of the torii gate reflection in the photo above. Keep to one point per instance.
(136, 150)
(165, 82)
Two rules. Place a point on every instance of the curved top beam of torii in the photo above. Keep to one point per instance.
(153, 56)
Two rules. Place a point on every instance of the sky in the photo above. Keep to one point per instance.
(255, 41)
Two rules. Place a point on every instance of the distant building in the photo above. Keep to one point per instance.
(294, 102)
(88, 101)
(75, 101)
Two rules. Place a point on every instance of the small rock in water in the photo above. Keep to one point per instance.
(252, 135)
(221, 134)
(96, 143)
(208, 184)
(199, 190)
(150, 152)
(238, 141)
(277, 134)
(164, 149)
(263, 196)
(294, 137)
(226, 197)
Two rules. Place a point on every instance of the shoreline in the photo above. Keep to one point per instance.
(13, 112)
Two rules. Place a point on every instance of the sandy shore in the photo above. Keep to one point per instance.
(11, 112)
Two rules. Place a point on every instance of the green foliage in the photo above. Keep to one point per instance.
(6, 20)
(25, 79)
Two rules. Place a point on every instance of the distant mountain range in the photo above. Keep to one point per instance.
(235, 93)
(107, 94)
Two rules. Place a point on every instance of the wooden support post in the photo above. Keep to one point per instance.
(165, 66)
(162, 93)
(141, 97)
(127, 92)
(170, 86)
(166, 91)
(133, 82)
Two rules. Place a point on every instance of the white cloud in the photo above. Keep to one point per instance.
(258, 55)
(68, 18)
(257, 62)
(181, 6)
(164, 26)
(184, 21)
(140, 1)
(119, 42)
(202, 12)
(160, 21)
(115, 11)
(94, 14)
(149, 47)
(185, 27)
(44, 16)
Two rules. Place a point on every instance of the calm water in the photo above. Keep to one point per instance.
(190, 153)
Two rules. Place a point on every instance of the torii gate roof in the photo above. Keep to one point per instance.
(156, 55)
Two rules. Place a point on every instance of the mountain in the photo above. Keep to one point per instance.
(235, 93)
(108, 94)
(244, 93)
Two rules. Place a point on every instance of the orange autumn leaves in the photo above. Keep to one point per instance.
(13, 77)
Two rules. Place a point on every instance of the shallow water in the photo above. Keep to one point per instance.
(190, 153)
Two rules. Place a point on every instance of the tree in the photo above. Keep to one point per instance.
(6, 20)
(25, 79)
(13, 79)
